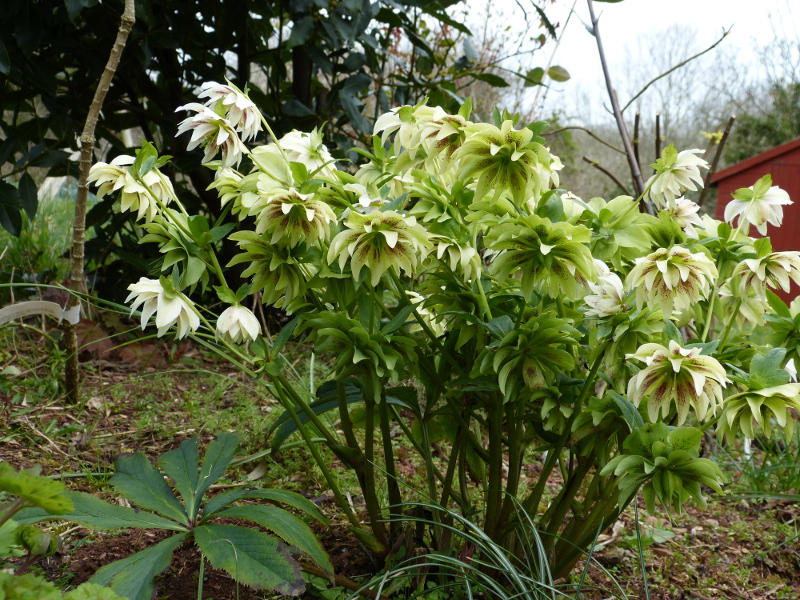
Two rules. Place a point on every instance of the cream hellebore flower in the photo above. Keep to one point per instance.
(672, 279)
(757, 205)
(213, 133)
(743, 302)
(682, 374)
(307, 148)
(412, 124)
(504, 159)
(776, 270)
(684, 213)
(676, 172)
(233, 187)
(233, 104)
(609, 293)
(292, 217)
(380, 240)
(134, 195)
(237, 324)
(760, 406)
(169, 305)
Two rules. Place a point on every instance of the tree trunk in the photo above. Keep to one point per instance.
(78, 280)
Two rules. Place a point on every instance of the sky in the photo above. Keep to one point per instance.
(754, 23)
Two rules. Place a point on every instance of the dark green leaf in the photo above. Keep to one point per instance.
(500, 326)
(283, 336)
(98, 515)
(292, 499)
(491, 79)
(778, 305)
(28, 27)
(5, 61)
(10, 205)
(141, 483)
(181, 466)
(132, 577)
(628, 410)
(28, 195)
(287, 527)
(250, 557)
(300, 32)
(671, 333)
(399, 319)
(219, 454)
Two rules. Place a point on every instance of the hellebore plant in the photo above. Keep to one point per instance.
(469, 305)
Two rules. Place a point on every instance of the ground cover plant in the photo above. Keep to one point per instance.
(465, 301)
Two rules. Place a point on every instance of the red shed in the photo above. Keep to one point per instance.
(783, 163)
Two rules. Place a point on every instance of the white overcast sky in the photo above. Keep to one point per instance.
(754, 23)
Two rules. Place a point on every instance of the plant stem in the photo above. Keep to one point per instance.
(370, 488)
(11, 509)
(393, 487)
(730, 323)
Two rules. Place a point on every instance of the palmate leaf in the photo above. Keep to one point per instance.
(132, 577)
(292, 499)
(141, 483)
(36, 490)
(98, 515)
(250, 557)
(287, 527)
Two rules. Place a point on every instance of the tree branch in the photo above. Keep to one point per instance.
(638, 181)
(591, 134)
(715, 162)
(77, 280)
(675, 68)
(605, 171)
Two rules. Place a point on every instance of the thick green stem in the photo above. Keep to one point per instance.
(494, 492)
(393, 487)
(515, 451)
(323, 467)
(561, 505)
(11, 509)
(731, 321)
(370, 489)
(281, 381)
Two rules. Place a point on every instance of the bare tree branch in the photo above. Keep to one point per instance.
(605, 171)
(675, 68)
(715, 162)
(77, 280)
(591, 134)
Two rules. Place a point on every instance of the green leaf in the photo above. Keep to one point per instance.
(287, 527)
(250, 557)
(35, 490)
(557, 73)
(28, 195)
(292, 499)
(300, 32)
(5, 61)
(778, 305)
(499, 327)
(491, 79)
(671, 333)
(98, 515)
(629, 412)
(534, 77)
(91, 591)
(299, 172)
(399, 319)
(283, 336)
(141, 483)
(28, 28)
(219, 454)
(132, 577)
(181, 466)
(10, 204)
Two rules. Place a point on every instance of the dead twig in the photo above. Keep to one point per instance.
(715, 163)
(605, 171)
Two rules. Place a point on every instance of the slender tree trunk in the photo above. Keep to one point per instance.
(77, 280)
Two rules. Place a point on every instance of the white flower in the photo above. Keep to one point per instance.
(212, 133)
(169, 305)
(682, 375)
(758, 205)
(307, 148)
(238, 109)
(608, 294)
(673, 278)
(676, 172)
(684, 212)
(776, 269)
(134, 195)
(237, 324)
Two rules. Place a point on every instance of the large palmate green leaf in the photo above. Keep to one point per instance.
(132, 577)
(286, 526)
(219, 454)
(250, 557)
(141, 483)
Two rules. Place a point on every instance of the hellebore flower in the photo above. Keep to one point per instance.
(675, 173)
(776, 269)
(237, 324)
(740, 411)
(684, 213)
(757, 205)
(504, 159)
(292, 217)
(609, 293)
(230, 102)
(134, 195)
(169, 305)
(682, 374)
(307, 148)
(673, 278)
(380, 241)
(213, 133)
